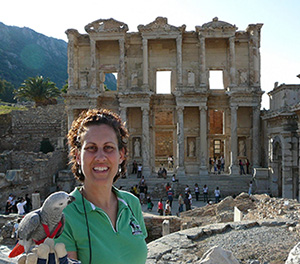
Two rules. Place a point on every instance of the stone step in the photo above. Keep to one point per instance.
(228, 184)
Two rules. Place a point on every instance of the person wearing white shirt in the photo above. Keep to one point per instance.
(20, 206)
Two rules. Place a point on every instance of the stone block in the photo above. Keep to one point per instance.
(238, 215)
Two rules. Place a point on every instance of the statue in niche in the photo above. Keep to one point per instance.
(242, 149)
(137, 148)
(191, 78)
(191, 149)
(134, 80)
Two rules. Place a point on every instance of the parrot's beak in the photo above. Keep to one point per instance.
(71, 199)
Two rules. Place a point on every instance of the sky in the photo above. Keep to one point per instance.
(280, 34)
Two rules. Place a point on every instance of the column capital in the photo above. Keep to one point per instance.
(203, 108)
(179, 108)
(234, 107)
(145, 41)
(145, 109)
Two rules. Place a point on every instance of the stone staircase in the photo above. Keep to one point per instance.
(228, 184)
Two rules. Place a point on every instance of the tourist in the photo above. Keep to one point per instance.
(180, 204)
(20, 206)
(196, 191)
(160, 207)
(134, 167)
(187, 202)
(28, 205)
(168, 208)
(170, 195)
(205, 193)
(222, 163)
(102, 217)
(139, 171)
(164, 173)
(250, 188)
(217, 195)
(242, 171)
(149, 203)
(8, 207)
(248, 166)
(187, 188)
(142, 188)
(159, 173)
(174, 178)
(210, 164)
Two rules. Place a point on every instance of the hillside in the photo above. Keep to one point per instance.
(25, 53)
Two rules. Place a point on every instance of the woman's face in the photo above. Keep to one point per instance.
(99, 156)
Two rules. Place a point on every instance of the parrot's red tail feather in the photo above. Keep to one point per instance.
(17, 250)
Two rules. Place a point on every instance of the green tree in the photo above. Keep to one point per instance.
(6, 91)
(41, 91)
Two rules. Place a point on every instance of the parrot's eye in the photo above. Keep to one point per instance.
(61, 204)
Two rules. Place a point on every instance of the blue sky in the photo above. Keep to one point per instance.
(280, 35)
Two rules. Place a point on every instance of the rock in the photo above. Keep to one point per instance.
(294, 255)
(218, 255)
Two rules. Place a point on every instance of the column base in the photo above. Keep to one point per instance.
(203, 171)
(146, 172)
(234, 169)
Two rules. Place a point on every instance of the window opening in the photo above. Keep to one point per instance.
(163, 82)
(217, 147)
(111, 81)
(216, 79)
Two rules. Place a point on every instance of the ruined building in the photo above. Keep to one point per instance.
(194, 121)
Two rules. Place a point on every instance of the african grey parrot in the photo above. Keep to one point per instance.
(47, 221)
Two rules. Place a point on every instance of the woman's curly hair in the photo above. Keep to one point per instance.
(96, 117)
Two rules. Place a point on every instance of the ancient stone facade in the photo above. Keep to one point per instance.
(193, 121)
(282, 125)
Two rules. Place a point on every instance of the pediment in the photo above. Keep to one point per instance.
(106, 25)
(160, 24)
(216, 23)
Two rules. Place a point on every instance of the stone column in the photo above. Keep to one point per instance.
(203, 140)
(121, 75)
(92, 75)
(71, 62)
(145, 62)
(145, 142)
(203, 79)
(123, 114)
(256, 137)
(234, 144)
(180, 142)
(232, 61)
(254, 54)
(70, 118)
(287, 163)
(179, 60)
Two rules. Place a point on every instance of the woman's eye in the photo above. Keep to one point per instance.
(108, 148)
(91, 148)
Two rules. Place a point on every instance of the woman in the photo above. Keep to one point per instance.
(160, 207)
(168, 208)
(104, 224)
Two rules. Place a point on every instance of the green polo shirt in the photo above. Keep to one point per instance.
(124, 245)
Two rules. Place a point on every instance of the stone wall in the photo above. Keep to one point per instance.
(154, 225)
(29, 128)
(23, 168)
(35, 172)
